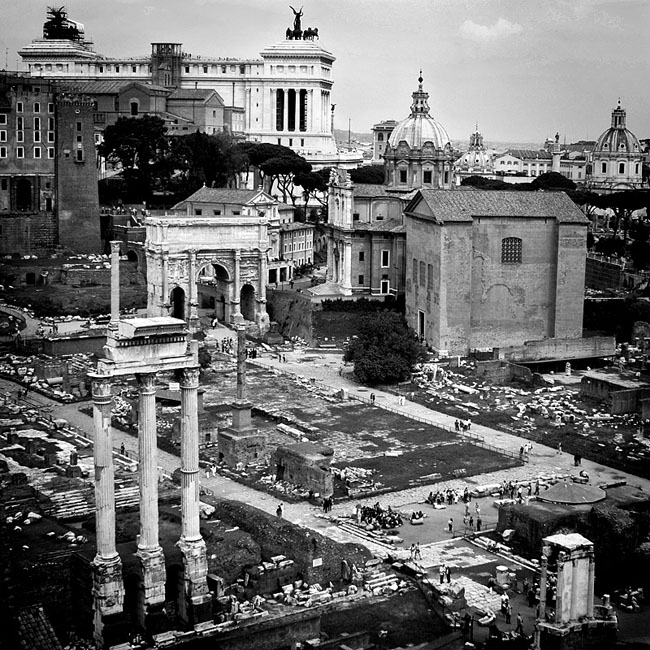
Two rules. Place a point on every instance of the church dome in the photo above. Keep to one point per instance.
(419, 127)
(477, 157)
(618, 138)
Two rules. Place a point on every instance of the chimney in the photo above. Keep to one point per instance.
(115, 282)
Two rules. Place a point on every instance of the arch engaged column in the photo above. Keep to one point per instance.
(194, 597)
(236, 298)
(108, 585)
(193, 319)
(149, 551)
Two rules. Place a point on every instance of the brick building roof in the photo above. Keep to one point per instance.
(461, 205)
(35, 631)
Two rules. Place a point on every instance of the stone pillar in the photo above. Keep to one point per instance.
(296, 111)
(164, 298)
(561, 577)
(590, 586)
(285, 111)
(194, 601)
(310, 110)
(149, 549)
(108, 586)
(329, 276)
(235, 299)
(264, 276)
(241, 408)
(193, 319)
(542, 586)
(115, 281)
(346, 280)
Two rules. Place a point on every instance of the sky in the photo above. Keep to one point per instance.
(522, 69)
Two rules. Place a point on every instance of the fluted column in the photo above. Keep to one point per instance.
(193, 319)
(330, 276)
(235, 300)
(346, 280)
(194, 597)
(104, 471)
(164, 284)
(115, 282)
(189, 455)
(149, 549)
(108, 586)
(285, 111)
(264, 276)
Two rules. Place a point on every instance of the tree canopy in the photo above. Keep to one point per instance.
(368, 175)
(384, 349)
(136, 144)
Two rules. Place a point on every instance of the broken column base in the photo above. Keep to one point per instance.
(108, 601)
(195, 599)
(241, 443)
(151, 614)
(596, 634)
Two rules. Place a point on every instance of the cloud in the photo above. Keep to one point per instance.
(485, 33)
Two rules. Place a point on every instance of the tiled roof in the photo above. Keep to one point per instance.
(369, 190)
(219, 195)
(35, 631)
(194, 93)
(387, 225)
(461, 205)
(98, 87)
(530, 154)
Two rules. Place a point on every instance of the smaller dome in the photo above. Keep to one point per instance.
(618, 138)
(419, 127)
(477, 157)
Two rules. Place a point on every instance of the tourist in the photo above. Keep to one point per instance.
(412, 552)
(278, 510)
(559, 447)
(520, 625)
(450, 525)
(442, 572)
(448, 573)
(417, 554)
(471, 522)
(372, 398)
(508, 614)
(479, 523)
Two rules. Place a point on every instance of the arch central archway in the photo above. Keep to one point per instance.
(213, 290)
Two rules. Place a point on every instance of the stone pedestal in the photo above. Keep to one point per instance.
(241, 416)
(108, 597)
(241, 446)
(195, 602)
(154, 576)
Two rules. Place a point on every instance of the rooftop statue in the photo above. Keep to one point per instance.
(296, 33)
(59, 26)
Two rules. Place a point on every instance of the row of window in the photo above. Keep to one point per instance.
(36, 107)
(385, 258)
(427, 176)
(20, 152)
(206, 69)
(621, 167)
(384, 285)
(425, 274)
(20, 136)
(134, 68)
(296, 246)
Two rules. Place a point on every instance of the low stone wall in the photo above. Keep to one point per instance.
(603, 273)
(549, 349)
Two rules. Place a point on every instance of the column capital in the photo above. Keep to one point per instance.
(115, 246)
(237, 254)
(190, 378)
(146, 383)
(101, 388)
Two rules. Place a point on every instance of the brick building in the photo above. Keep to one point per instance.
(48, 177)
(493, 269)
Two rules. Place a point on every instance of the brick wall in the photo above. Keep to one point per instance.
(33, 233)
(78, 200)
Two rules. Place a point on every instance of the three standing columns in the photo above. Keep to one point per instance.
(194, 596)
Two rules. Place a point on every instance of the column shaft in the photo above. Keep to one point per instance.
(237, 288)
(263, 276)
(165, 287)
(115, 281)
(104, 470)
(148, 452)
(590, 586)
(285, 111)
(190, 524)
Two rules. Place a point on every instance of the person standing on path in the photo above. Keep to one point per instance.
(278, 510)
(448, 573)
(442, 571)
(520, 625)
(450, 525)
